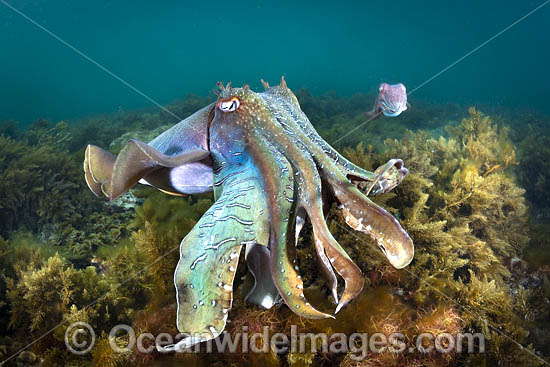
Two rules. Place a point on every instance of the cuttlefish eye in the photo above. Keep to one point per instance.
(229, 105)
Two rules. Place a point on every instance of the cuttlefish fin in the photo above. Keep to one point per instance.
(137, 159)
(98, 168)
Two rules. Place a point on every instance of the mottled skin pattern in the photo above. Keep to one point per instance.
(391, 100)
(270, 171)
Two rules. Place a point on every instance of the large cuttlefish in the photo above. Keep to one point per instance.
(270, 172)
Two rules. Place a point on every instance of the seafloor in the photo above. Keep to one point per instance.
(475, 203)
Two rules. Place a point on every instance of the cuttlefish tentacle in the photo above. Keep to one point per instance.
(363, 215)
(325, 244)
(284, 97)
(374, 185)
(322, 258)
(360, 212)
(279, 184)
(308, 184)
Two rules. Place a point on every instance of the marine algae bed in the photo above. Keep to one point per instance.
(482, 261)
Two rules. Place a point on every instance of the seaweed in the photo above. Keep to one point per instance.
(67, 256)
(10, 128)
(40, 133)
(51, 295)
(168, 213)
(334, 115)
(39, 186)
(534, 172)
(463, 208)
(104, 356)
(43, 192)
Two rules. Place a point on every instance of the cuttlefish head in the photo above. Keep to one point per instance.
(238, 107)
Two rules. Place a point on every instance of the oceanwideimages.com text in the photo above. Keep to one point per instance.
(80, 339)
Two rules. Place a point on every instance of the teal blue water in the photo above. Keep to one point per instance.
(170, 48)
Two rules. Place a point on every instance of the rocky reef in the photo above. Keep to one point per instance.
(473, 203)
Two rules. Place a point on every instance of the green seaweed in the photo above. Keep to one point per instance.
(39, 186)
(62, 249)
(463, 208)
(43, 192)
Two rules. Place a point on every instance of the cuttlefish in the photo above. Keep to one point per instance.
(391, 100)
(270, 172)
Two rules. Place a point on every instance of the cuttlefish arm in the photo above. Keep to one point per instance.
(385, 177)
(278, 177)
(177, 161)
(98, 169)
(322, 259)
(344, 179)
(376, 109)
(209, 254)
(112, 176)
(137, 160)
(363, 215)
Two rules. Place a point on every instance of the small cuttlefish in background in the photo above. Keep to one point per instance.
(391, 100)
